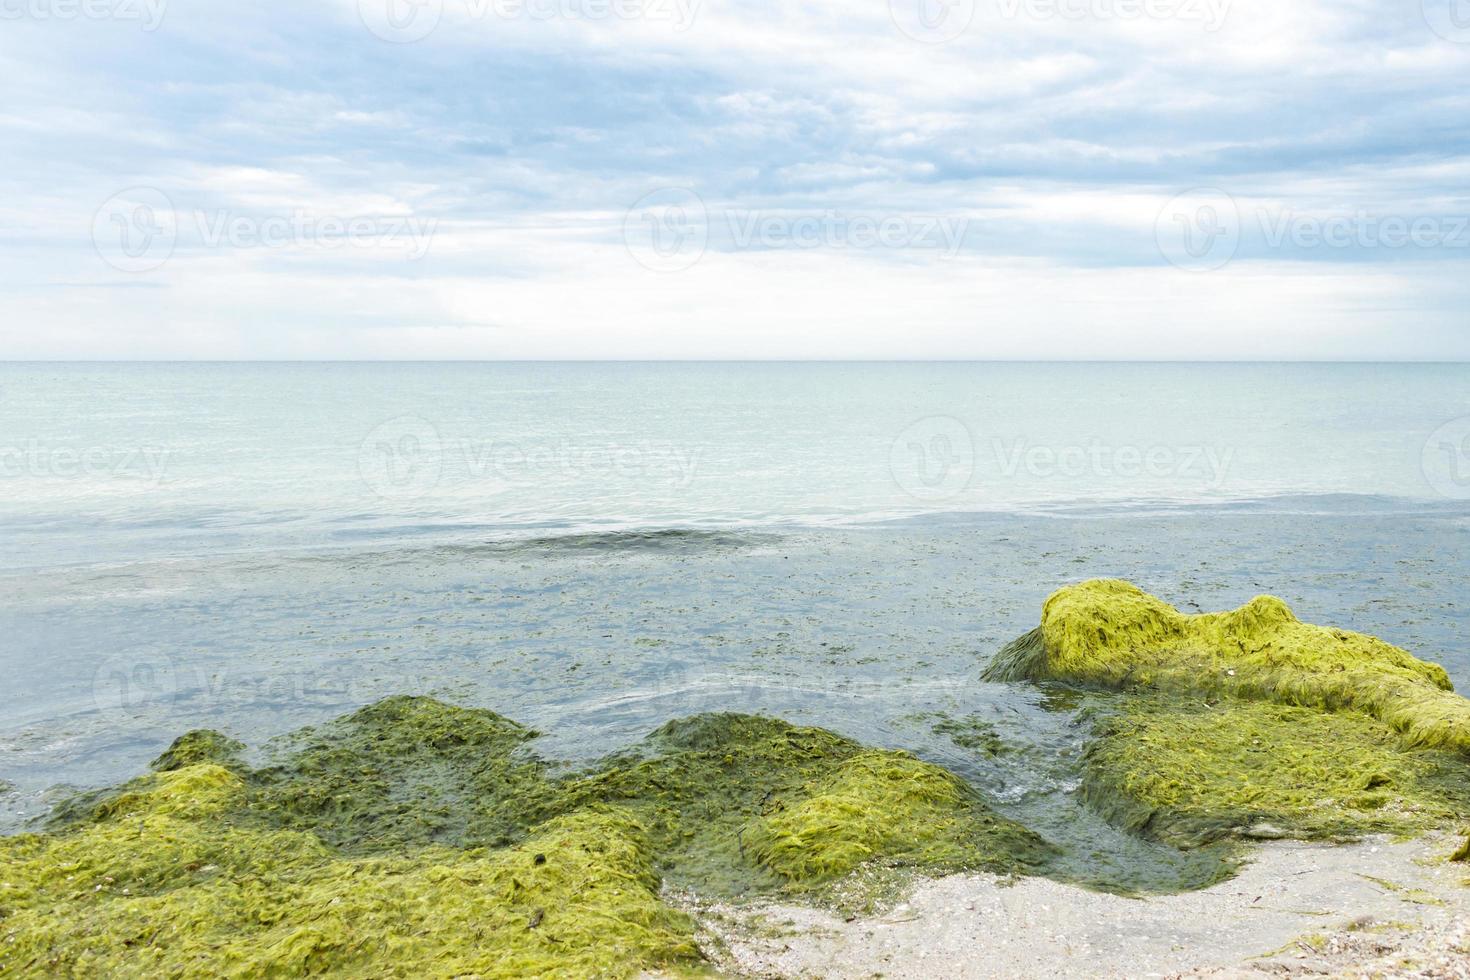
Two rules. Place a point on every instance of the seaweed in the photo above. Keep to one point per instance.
(1188, 772)
(1110, 633)
(971, 732)
(718, 791)
(405, 770)
(890, 805)
(200, 745)
(160, 887)
(1248, 722)
(416, 838)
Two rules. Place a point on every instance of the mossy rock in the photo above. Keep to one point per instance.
(1110, 633)
(404, 771)
(200, 745)
(1189, 772)
(162, 887)
(415, 838)
(889, 805)
(1248, 722)
(739, 805)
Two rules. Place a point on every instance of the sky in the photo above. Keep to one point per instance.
(894, 179)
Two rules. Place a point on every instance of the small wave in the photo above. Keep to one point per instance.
(1284, 504)
(659, 541)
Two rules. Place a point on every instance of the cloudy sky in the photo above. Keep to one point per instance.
(735, 178)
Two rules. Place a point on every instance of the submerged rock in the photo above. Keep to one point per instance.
(415, 838)
(1227, 722)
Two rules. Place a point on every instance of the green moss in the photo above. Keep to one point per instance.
(1110, 633)
(414, 838)
(201, 745)
(1189, 772)
(1463, 854)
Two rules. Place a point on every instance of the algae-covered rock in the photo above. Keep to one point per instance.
(738, 804)
(200, 745)
(165, 888)
(1189, 772)
(889, 805)
(417, 839)
(405, 770)
(1224, 722)
(1111, 633)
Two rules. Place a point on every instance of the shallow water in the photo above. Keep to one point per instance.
(279, 574)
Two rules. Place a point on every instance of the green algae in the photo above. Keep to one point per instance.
(200, 745)
(161, 887)
(1188, 772)
(1110, 633)
(1248, 722)
(415, 838)
(405, 770)
(730, 800)
(889, 805)
(970, 732)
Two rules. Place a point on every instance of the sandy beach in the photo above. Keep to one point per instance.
(1375, 908)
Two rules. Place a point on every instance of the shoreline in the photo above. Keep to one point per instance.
(1365, 908)
(745, 845)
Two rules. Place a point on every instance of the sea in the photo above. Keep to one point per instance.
(593, 549)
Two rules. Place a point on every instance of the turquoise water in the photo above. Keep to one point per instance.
(118, 461)
(594, 549)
